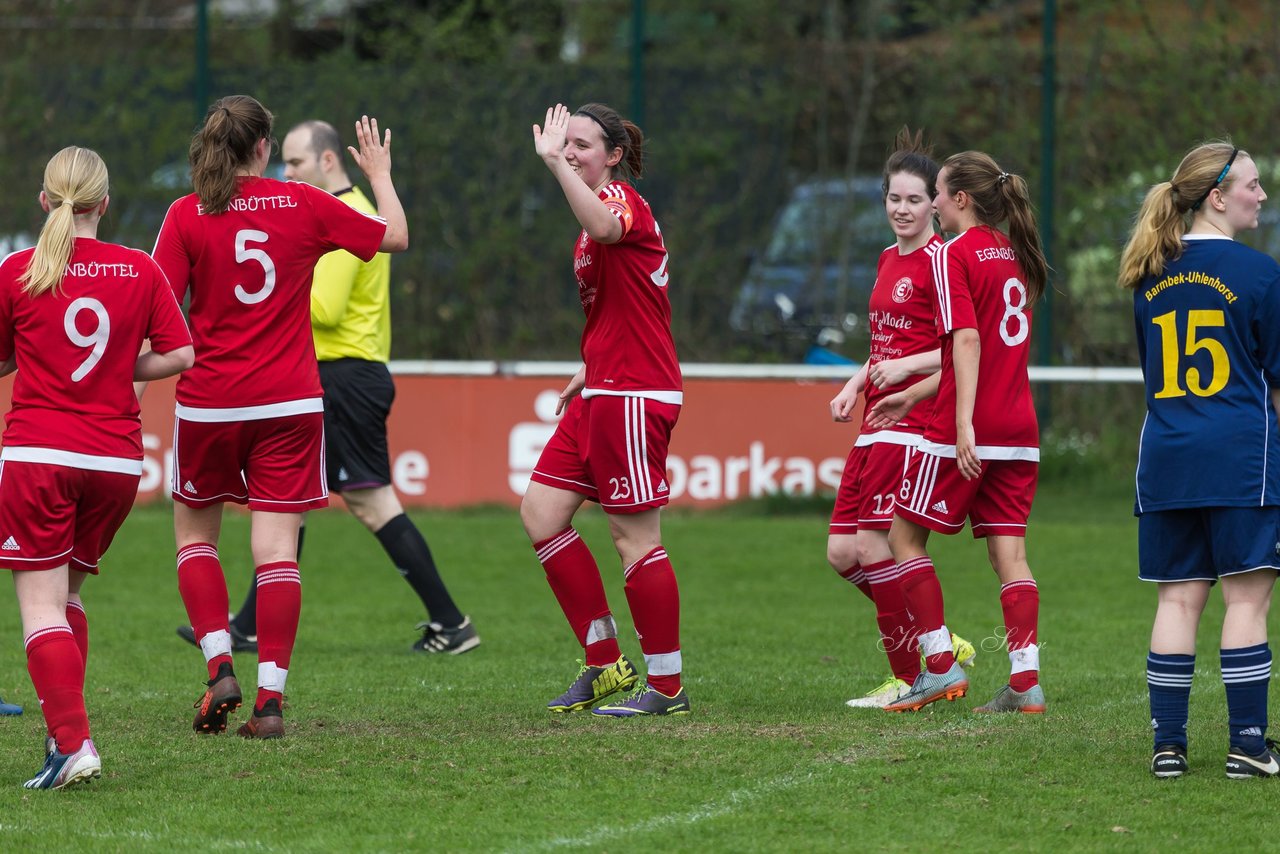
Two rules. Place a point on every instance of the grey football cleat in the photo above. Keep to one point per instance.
(1028, 702)
(646, 701)
(931, 687)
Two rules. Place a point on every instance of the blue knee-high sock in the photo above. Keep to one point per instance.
(1169, 685)
(1246, 673)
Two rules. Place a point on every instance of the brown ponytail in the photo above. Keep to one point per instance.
(1001, 197)
(75, 183)
(224, 145)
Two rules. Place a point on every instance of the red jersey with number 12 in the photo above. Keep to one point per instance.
(626, 344)
(901, 319)
(76, 347)
(249, 270)
(980, 285)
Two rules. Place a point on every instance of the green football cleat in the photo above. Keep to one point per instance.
(594, 684)
(882, 695)
(966, 655)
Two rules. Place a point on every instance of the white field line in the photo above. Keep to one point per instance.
(730, 803)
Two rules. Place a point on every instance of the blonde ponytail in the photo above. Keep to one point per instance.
(1166, 211)
(75, 183)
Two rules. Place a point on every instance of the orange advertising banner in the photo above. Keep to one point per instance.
(465, 440)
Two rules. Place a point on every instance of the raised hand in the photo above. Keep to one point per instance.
(374, 155)
(548, 140)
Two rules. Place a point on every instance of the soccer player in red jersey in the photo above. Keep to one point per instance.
(981, 447)
(904, 345)
(248, 426)
(619, 410)
(74, 314)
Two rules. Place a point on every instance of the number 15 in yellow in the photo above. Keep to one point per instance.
(1220, 370)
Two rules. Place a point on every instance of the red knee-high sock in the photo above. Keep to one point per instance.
(1020, 601)
(575, 581)
(858, 578)
(896, 634)
(78, 620)
(279, 607)
(57, 672)
(654, 598)
(204, 592)
(923, 595)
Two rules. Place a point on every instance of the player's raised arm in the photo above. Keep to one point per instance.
(373, 155)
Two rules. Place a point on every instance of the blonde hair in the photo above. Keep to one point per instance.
(224, 144)
(999, 197)
(1166, 212)
(75, 182)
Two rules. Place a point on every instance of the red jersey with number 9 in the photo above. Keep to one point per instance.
(76, 346)
(980, 285)
(249, 270)
(626, 344)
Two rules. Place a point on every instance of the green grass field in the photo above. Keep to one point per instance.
(391, 751)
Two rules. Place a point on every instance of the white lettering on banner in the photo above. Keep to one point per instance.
(708, 478)
(409, 469)
(527, 439)
(157, 468)
(703, 477)
(409, 472)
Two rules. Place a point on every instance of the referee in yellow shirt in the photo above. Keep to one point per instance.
(351, 321)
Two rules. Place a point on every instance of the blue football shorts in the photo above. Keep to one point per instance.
(1206, 543)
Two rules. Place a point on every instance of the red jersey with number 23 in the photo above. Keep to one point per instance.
(980, 285)
(627, 344)
(901, 320)
(76, 347)
(249, 270)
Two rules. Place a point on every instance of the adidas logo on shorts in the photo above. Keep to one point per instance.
(342, 473)
(11, 545)
(187, 487)
(662, 487)
(941, 507)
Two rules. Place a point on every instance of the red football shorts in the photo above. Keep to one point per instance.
(997, 502)
(272, 464)
(612, 450)
(873, 479)
(52, 514)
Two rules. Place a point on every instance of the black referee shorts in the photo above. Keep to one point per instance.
(357, 399)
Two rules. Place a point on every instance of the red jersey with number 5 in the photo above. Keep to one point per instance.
(75, 348)
(249, 271)
(627, 345)
(980, 285)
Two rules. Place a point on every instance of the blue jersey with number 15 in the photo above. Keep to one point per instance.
(1209, 342)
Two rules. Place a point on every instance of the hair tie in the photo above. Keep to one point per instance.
(1216, 181)
(1004, 176)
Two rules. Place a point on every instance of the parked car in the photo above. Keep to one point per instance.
(814, 278)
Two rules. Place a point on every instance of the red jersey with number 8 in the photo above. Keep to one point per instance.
(76, 347)
(626, 344)
(981, 286)
(249, 270)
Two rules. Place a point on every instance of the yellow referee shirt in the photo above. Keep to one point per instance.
(351, 300)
